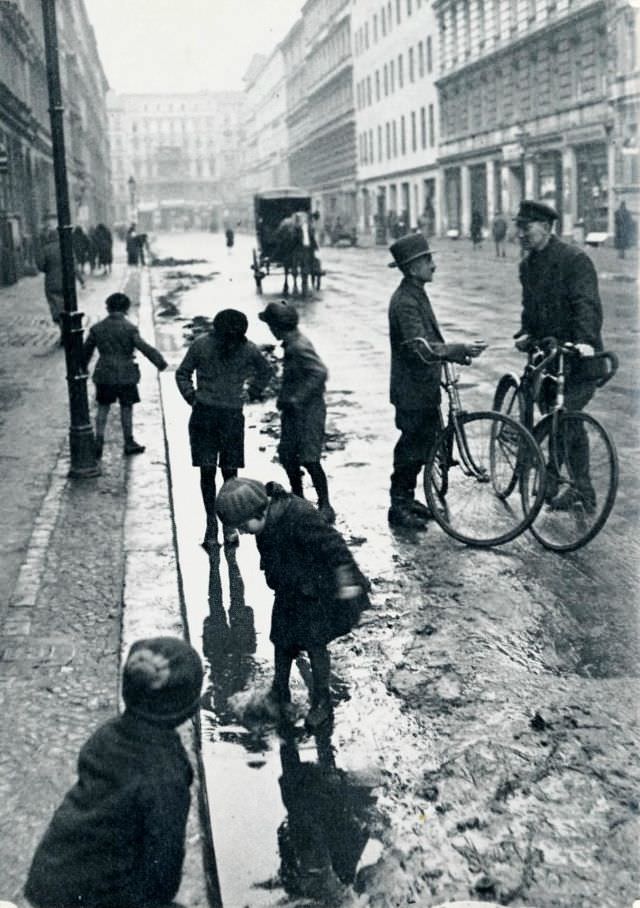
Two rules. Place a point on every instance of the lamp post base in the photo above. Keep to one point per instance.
(82, 449)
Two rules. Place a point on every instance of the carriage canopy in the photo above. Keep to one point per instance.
(271, 207)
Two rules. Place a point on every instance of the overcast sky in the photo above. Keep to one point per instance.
(185, 45)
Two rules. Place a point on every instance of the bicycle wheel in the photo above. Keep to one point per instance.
(469, 509)
(508, 401)
(582, 480)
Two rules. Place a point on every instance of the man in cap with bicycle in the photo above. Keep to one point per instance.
(415, 384)
(560, 299)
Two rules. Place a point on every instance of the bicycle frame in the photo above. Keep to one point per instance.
(450, 385)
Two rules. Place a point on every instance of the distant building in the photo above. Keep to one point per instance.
(395, 48)
(266, 161)
(27, 191)
(536, 98)
(175, 158)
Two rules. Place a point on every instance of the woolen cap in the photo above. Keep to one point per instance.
(239, 500)
(162, 680)
(231, 322)
(280, 315)
(408, 248)
(535, 211)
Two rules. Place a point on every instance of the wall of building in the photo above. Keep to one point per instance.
(27, 192)
(395, 65)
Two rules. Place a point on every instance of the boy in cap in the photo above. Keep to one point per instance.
(415, 385)
(560, 299)
(301, 404)
(118, 838)
(319, 590)
(224, 360)
(117, 374)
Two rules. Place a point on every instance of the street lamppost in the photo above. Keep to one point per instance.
(81, 440)
(131, 182)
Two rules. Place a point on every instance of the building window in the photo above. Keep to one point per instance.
(414, 132)
(420, 59)
(411, 66)
(532, 10)
(369, 90)
(383, 21)
(408, 7)
(379, 143)
(385, 79)
(403, 137)
(429, 55)
(423, 127)
(432, 127)
(481, 25)
(398, 12)
(366, 35)
(395, 139)
(389, 16)
(375, 28)
(388, 137)
(392, 75)
(371, 145)
(377, 84)
(400, 71)
(513, 16)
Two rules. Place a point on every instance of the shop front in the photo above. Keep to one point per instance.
(592, 186)
(549, 180)
(453, 198)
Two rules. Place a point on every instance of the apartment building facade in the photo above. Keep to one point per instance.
(27, 190)
(176, 158)
(395, 48)
(321, 110)
(266, 145)
(526, 108)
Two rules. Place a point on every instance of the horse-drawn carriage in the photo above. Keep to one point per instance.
(285, 238)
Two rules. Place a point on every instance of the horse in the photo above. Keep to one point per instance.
(292, 254)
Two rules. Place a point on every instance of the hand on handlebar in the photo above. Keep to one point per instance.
(475, 348)
(524, 344)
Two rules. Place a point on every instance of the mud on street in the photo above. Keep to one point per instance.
(486, 707)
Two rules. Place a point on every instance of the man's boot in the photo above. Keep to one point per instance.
(131, 446)
(402, 515)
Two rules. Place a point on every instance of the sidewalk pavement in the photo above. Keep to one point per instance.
(74, 555)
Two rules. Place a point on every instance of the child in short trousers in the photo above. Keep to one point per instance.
(118, 838)
(117, 374)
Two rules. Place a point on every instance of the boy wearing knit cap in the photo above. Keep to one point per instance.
(301, 404)
(224, 361)
(118, 838)
(319, 590)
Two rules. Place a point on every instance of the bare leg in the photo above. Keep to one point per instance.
(102, 414)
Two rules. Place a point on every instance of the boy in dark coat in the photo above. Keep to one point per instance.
(301, 405)
(118, 838)
(224, 360)
(116, 375)
(319, 590)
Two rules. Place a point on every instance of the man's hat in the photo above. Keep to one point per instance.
(280, 315)
(408, 248)
(535, 211)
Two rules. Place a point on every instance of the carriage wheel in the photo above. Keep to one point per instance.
(257, 273)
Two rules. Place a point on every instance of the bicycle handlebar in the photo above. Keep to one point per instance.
(422, 349)
(605, 363)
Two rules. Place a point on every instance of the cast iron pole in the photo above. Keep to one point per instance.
(81, 440)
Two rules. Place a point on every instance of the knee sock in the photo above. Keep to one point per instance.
(208, 489)
(319, 480)
(295, 479)
(126, 420)
(102, 414)
(320, 670)
(283, 661)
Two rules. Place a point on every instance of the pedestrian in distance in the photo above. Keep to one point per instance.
(133, 248)
(476, 228)
(624, 229)
(499, 232)
(415, 385)
(118, 838)
(301, 404)
(50, 262)
(319, 590)
(560, 298)
(117, 374)
(81, 251)
(224, 362)
(229, 237)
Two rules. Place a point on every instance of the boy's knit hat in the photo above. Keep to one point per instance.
(162, 680)
(239, 500)
(231, 322)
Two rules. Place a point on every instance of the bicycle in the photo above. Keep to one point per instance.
(580, 456)
(472, 456)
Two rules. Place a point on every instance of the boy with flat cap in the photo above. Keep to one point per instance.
(415, 384)
(224, 360)
(301, 404)
(560, 299)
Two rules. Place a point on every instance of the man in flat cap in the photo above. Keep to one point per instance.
(415, 384)
(560, 299)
